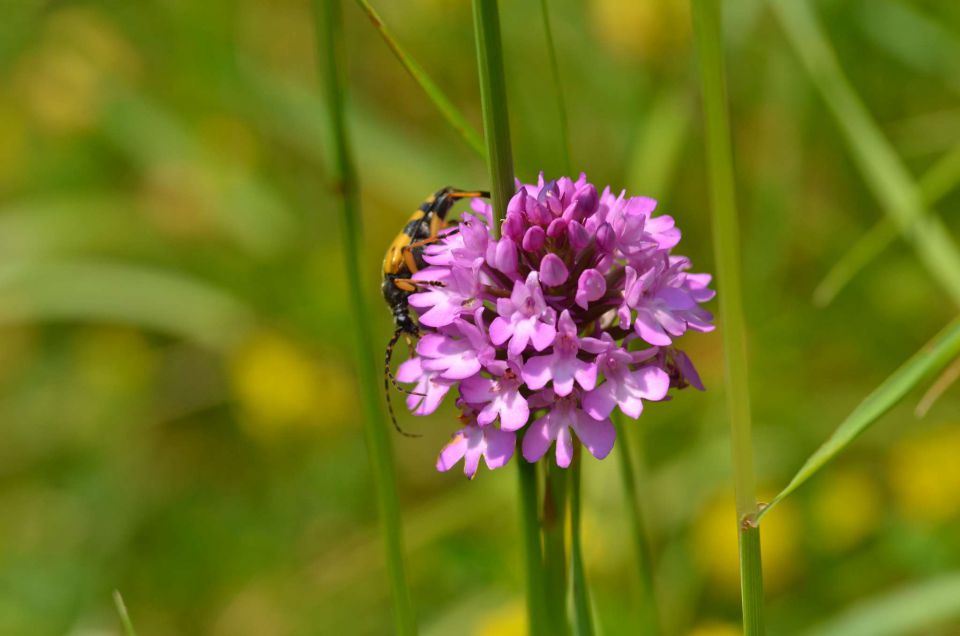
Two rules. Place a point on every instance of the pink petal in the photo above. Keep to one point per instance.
(543, 335)
(650, 330)
(452, 452)
(564, 447)
(471, 459)
(597, 436)
(651, 383)
(537, 440)
(599, 403)
(409, 371)
(515, 411)
(476, 389)
(500, 330)
(500, 447)
(537, 371)
(586, 374)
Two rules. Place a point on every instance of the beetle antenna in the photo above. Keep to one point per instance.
(388, 377)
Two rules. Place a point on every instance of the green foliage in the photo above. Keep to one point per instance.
(179, 409)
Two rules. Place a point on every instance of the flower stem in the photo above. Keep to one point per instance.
(648, 598)
(380, 454)
(493, 95)
(554, 527)
(582, 617)
(707, 25)
(558, 89)
(530, 527)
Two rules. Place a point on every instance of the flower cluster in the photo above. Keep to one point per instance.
(571, 313)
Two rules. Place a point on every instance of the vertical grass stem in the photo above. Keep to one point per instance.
(332, 64)
(707, 25)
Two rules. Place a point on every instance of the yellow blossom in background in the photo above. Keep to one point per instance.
(648, 30)
(845, 507)
(714, 545)
(716, 629)
(62, 81)
(508, 620)
(281, 387)
(924, 475)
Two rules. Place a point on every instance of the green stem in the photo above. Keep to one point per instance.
(582, 617)
(530, 528)
(751, 576)
(558, 89)
(553, 523)
(707, 25)
(493, 95)
(648, 597)
(379, 450)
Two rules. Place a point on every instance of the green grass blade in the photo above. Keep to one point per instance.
(558, 90)
(493, 95)
(330, 48)
(935, 355)
(89, 290)
(918, 608)
(124, 614)
(882, 169)
(649, 614)
(939, 181)
(443, 104)
(916, 40)
(582, 614)
(710, 54)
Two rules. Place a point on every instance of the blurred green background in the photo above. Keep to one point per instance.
(178, 415)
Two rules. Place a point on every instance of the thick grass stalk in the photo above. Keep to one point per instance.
(554, 527)
(379, 449)
(707, 25)
(558, 90)
(532, 559)
(443, 104)
(649, 614)
(582, 616)
(496, 131)
(493, 97)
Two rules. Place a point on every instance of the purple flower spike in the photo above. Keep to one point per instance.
(575, 277)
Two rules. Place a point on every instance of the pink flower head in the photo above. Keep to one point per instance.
(576, 276)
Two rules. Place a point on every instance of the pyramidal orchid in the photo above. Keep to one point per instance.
(573, 312)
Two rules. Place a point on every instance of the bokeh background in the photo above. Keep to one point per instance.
(178, 409)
